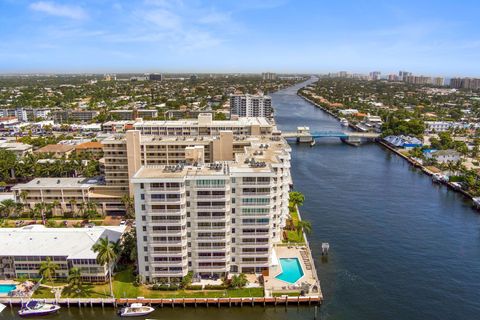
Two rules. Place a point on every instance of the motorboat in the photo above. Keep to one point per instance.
(135, 310)
(439, 178)
(37, 308)
(344, 122)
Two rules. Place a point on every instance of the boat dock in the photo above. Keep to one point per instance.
(175, 302)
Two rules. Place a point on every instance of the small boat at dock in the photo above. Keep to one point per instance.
(37, 308)
(439, 178)
(476, 202)
(135, 310)
(344, 122)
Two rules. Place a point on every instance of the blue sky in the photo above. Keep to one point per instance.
(426, 37)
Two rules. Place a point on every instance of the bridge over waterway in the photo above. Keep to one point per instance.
(303, 134)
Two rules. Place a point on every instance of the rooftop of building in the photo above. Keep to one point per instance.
(89, 145)
(57, 183)
(15, 146)
(244, 121)
(259, 157)
(56, 148)
(37, 240)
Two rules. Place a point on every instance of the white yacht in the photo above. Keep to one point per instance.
(37, 308)
(136, 310)
(344, 122)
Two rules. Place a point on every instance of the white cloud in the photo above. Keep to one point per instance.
(163, 18)
(59, 10)
(215, 17)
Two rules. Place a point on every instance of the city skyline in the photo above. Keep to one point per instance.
(429, 38)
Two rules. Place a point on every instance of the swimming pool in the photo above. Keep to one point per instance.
(6, 288)
(291, 270)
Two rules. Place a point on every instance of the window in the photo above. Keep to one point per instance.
(142, 196)
(147, 268)
(144, 218)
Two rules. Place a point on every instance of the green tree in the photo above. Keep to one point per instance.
(106, 255)
(296, 199)
(8, 161)
(48, 269)
(238, 281)
(74, 278)
(7, 207)
(187, 280)
(129, 204)
(304, 225)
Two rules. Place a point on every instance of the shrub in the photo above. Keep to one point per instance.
(164, 287)
(194, 287)
(215, 287)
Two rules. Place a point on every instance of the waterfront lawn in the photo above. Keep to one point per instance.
(294, 235)
(123, 288)
(287, 293)
(43, 292)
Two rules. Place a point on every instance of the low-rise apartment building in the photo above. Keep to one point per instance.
(69, 195)
(22, 251)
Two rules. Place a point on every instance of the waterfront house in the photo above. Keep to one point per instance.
(402, 141)
(443, 156)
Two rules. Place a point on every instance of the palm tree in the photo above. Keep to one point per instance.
(106, 255)
(129, 204)
(38, 209)
(296, 199)
(239, 281)
(89, 210)
(48, 269)
(23, 196)
(73, 204)
(74, 277)
(55, 205)
(304, 225)
(7, 206)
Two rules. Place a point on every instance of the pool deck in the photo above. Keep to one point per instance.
(7, 282)
(309, 282)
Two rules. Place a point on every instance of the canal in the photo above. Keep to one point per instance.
(400, 247)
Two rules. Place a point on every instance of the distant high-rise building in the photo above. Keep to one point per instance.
(439, 81)
(418, 79)
(247, 105)
(155, 77)
(393, 77)
(193, 77)
(403, 75)
(456, 83)
(269, 76)
(343, 74)
(375, 75)
(465, 83)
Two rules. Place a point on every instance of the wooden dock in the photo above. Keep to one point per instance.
(175, 302)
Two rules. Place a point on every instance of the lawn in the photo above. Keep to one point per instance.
(123, 288)
(294, 235)
(288, 293)
(43, 292)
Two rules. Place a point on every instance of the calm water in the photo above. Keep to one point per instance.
(400, 247)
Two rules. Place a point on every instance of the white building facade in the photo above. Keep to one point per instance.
(247, 105)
